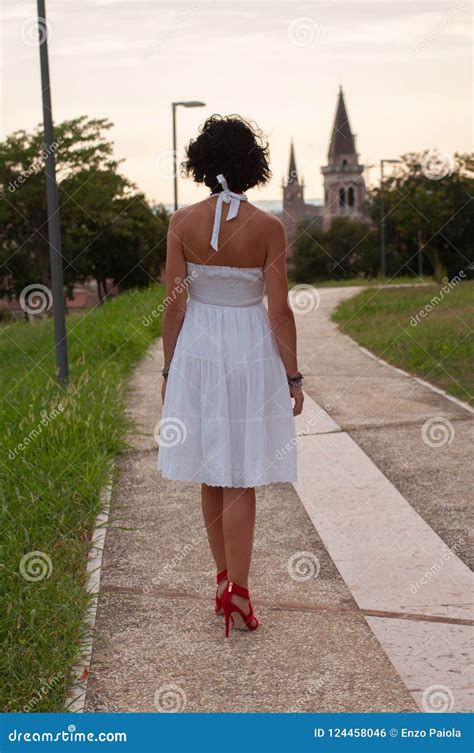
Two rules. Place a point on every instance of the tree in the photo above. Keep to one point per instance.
(108, 229)
(432, 208)
(310, 258)
(348, 249)
(353, 246)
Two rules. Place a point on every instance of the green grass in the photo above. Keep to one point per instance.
(367, 282)
(438, 347)
(52, 474)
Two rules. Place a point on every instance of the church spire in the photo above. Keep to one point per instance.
(292, 172)
(342, 139)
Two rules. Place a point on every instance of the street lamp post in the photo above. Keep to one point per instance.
(420, 253)
(174, 105)
(382, 216)
(54, 229)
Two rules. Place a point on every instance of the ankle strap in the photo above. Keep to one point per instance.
(221, 576)
(238, 590)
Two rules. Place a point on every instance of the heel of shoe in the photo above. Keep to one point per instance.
(218, 604)
(246, 621)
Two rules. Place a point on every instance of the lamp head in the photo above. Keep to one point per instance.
(191, 103)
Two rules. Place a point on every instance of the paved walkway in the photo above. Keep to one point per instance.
(359, 573)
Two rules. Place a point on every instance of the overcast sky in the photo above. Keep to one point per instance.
(405, 68)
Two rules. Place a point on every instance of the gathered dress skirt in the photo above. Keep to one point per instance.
(227, 418)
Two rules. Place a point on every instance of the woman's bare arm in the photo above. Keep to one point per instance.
(176, 293)
(279, 312)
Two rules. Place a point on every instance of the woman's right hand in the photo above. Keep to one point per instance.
(298, 396)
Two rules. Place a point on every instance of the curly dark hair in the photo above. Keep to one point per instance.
(232, 146)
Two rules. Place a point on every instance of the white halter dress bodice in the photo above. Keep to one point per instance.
(225, 286)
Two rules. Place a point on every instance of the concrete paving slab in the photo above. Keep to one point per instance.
(144, 399)
(435, 662)
(380, 545)
(154, 651)
(395, 418)
(315, 419)
(157, 540)
(433, 479)
(357, 402)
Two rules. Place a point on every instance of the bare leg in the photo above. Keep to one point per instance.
(212, 500)
(238, 525)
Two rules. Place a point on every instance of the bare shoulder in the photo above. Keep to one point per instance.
(183, 215)
(275, 225)
(270, 221)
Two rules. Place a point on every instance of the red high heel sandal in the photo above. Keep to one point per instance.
(234, 614)
(219, 578)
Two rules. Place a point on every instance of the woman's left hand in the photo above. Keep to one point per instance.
(163, 389)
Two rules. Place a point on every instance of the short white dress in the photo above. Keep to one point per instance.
(227, 418)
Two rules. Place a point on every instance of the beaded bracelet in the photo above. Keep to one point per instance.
(296, 381)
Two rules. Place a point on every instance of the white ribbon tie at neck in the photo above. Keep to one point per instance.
(228, 197)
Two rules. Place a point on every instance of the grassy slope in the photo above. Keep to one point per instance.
(367, 282)
(52, 474)
(439, 348)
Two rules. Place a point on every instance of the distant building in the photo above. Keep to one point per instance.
(84, 295)
(294, 207)
(344, 186)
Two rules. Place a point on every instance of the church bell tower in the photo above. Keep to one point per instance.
(293, 196)
(344, 186)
